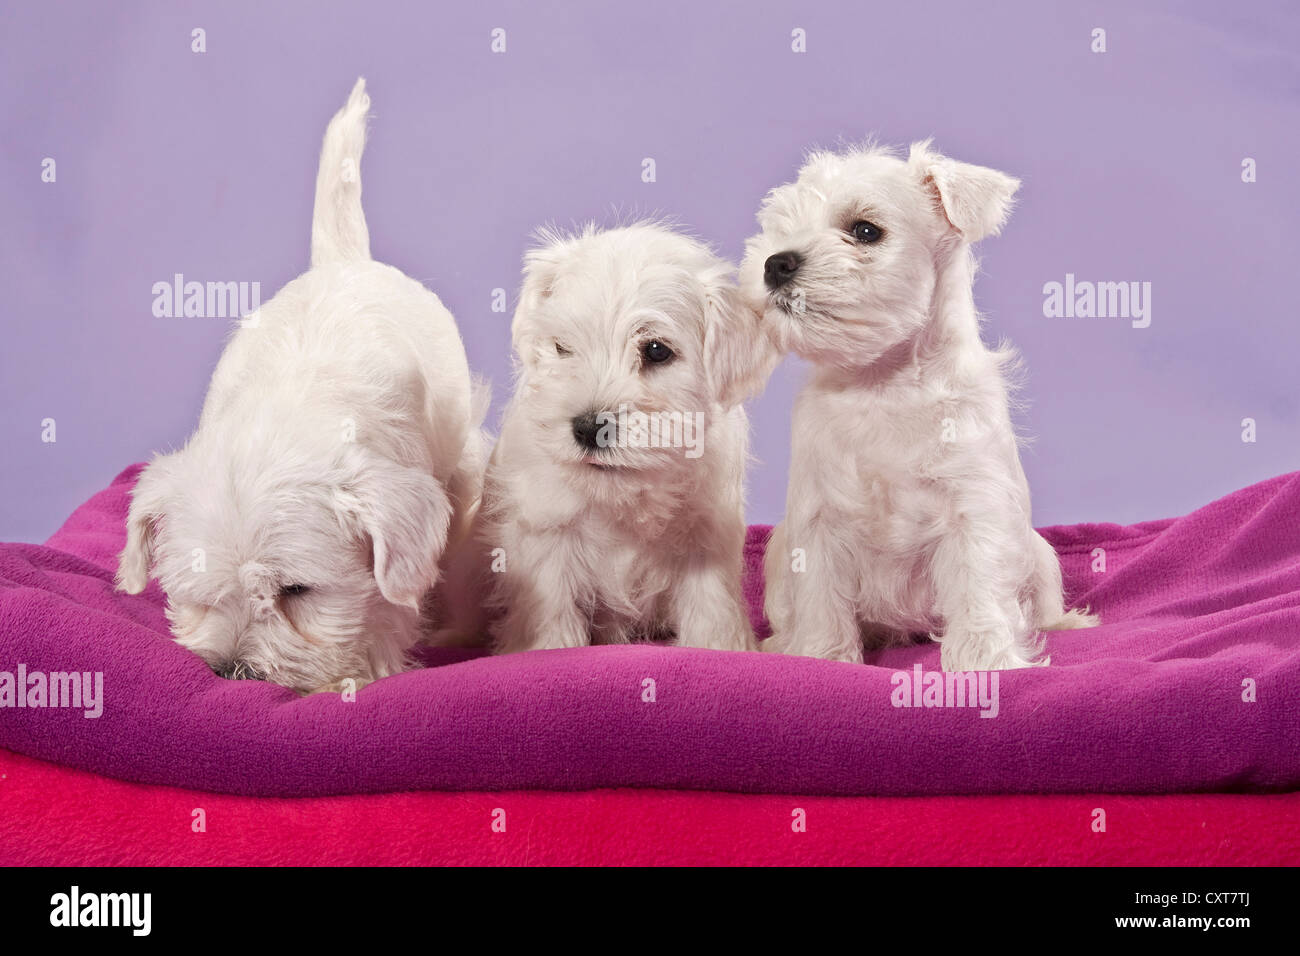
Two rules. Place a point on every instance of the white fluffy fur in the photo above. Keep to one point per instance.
(328, 455)
(617, 544)
(906, 495)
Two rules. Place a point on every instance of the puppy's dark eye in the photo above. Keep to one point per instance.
(294, 590)
(866, 231)
(657, 353)
(561, 350)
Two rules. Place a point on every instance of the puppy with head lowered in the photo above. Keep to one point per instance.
(613, 501)
(907, 511)
(298, 530)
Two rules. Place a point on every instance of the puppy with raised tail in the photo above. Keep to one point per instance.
(907, 510)
(613, 501)
(300, 527)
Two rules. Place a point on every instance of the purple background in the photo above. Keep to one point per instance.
(170, 161)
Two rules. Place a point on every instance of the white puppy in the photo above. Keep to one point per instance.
(598, 524)
(297, 531)
(907, 511)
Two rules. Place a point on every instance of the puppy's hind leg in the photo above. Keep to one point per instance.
(456, 612)
(1049, 599)
(778, 604)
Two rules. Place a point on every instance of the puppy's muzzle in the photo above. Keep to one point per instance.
(780, 269)
(586, 430)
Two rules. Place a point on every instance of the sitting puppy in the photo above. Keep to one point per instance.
(907, 510)
(613, 503)
(298, 530)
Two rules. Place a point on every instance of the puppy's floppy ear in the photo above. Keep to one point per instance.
(977, 200)
(541, 266)
(148, 505)
(738, 355)
(405, 513)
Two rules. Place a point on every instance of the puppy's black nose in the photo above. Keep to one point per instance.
(780, 268)
(586, 430)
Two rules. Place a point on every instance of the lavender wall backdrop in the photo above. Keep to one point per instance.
(170, 161)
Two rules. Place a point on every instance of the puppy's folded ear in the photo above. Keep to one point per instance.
(405, 513)
(976, 200)
(541, 266)
(148, 505)
(738, 355)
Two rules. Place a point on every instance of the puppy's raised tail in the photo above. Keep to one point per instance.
(338, 225)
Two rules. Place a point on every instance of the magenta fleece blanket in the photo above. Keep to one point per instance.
(1191, 684)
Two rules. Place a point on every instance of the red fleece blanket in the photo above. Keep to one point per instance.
(54, 816)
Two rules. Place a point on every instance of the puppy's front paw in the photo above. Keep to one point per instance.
(849, 655)
(965, 650)
(777, 644)
(516, 639)
(733, 639)
(826, 650)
